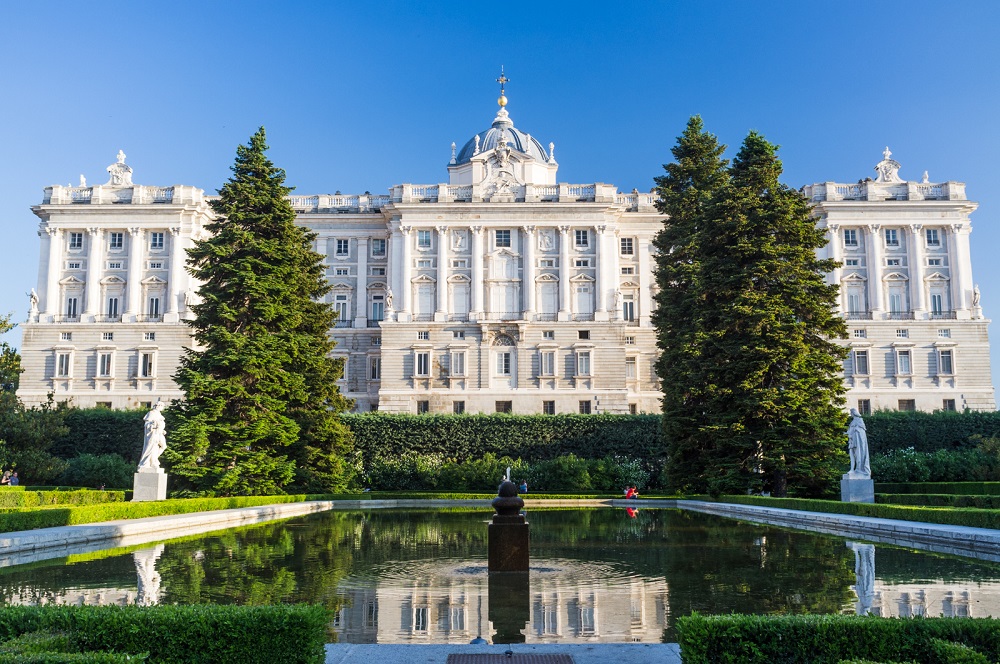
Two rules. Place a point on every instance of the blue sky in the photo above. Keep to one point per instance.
(359, 96)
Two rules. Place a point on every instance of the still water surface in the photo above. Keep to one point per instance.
(417, 576)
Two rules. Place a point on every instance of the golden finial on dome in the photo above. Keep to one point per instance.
(503, 80)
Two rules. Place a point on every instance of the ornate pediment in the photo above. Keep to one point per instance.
(153, 281)
(423, 279)
(547, 277)
(895, 276)
(854, 276)
(459, 278)
(582, 277)
(936, 276)
(71, 280)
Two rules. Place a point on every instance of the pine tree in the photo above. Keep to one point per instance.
(261, 407)
(688, 187)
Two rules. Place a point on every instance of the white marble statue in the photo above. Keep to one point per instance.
(33, 304)
(83, 180)
(388, 299)
(155, 438)
(857, 445)
(618, 300)
(976, 295)
(864, 576)
(148, 578)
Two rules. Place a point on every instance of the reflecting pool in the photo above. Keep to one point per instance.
(612, 575)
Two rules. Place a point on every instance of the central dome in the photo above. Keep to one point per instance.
(516, 139)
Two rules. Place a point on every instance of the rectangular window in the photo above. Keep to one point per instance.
(582, 262)
(460, 263)
(424, 239)
(115, 265)
(628, 308)
(342, 272)
(65, 336)
(423, 364)
(107, 336)
(944, 334)
(375, 368)
(946, 362)
(907, 405)
(948, 404)
(549, 334)
(423, 407)
(343, 247)
(503, 364)
(423, 335)
(375, 341)
(583, 363)
(548, 359)
(630, 368)
(861, 362)
(582, 238)
(342, 307)
(116, 240)
(583, 334)
(628, 270)
(860, 334)
(547, 262)
(503, 238)
(63, 365)
(76, 240)
(458, 363)
(104, 365)
(458, 334)
(376, 271)
(378, 247)
(156, 240)
(628, 248)
(425, 264)
(149, 336)
(865, 406)
(633, 409)
(852, 262)
(850, 237)
(154, 307)
(891, 237)
(155, 265)
(933, 237)
(548, 408)
(585, 407)
(902, 334)
(378, 307)
(113, 307)
(146, 365)
(934, 262)
(458, 407)
(504, 406)
(71, 307)
(74, 265)
(903, 367)
(629, 341)
(937, 303)
(893, 262)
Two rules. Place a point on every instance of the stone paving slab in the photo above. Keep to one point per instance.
(597, 653)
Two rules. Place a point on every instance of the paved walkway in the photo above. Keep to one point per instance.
(598, 653)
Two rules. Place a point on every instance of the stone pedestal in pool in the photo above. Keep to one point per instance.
(510, 605)
(149, 484)
(857, 489)
(508, 532)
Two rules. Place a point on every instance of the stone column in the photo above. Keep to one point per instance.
(645, 281)
(442, 274)
(961, 267)
(92, 306)
(361, 286)
(528, 271)
(564, 273)
(915, 255)
(477, 273)
(394, 269)
(55, 270)
(833, 252)
(405, 287)
(600, 285)
(133, 305)
(175, 270)
(875, 271)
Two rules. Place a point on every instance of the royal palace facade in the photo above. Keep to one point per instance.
(500, 290)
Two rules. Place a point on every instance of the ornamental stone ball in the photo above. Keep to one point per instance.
(508, 503)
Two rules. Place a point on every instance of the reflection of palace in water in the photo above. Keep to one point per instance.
(569, 602)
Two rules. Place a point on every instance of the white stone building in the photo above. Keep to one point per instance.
(501, 289)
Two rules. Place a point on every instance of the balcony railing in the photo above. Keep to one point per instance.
(147, 318)
(504, 315)
(108, 319)
(899, 315)
(423, 318)
(583, 317)
(943, 315)
(343, 323)
(373, 323)
(858, 315)
(67, 319)
(544, 317)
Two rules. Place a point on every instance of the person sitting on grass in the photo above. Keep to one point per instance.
(13, 479)
(6, 477)
(631, 492)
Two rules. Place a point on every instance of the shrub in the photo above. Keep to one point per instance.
(177, 633)
(41, 498)
(939, 500)
(36, 466)
(101, 431)
(927, 432)
(958, 488)
(955, 465)
(96, 470)
(828, 639)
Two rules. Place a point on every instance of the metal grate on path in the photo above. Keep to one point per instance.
(516, 658)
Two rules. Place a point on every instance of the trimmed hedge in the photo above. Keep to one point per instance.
(101, 431)
(47, 517)
(939, 500)
(955, 488)
(830, 639)
(971, 517)
(175, 633)
(40, 498)
(927, 432)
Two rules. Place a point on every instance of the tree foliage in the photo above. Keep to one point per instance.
(747, 325)
(261, 407)
(10, 360)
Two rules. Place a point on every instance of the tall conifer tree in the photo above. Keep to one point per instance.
(261, 407)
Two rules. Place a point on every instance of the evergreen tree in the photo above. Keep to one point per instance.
(10, 360)
(685, 192)
(261, 407)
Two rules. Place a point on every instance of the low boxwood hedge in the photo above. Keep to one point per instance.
(939, 500)
(965, 488)
(967, 516)
(37, 498)
(174, 633)
(829, 639)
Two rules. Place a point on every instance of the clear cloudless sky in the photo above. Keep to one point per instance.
(359, 96)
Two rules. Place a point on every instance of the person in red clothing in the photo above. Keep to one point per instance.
(631, 492)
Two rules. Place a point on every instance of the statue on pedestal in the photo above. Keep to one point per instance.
(155, 440)
(857, 445)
